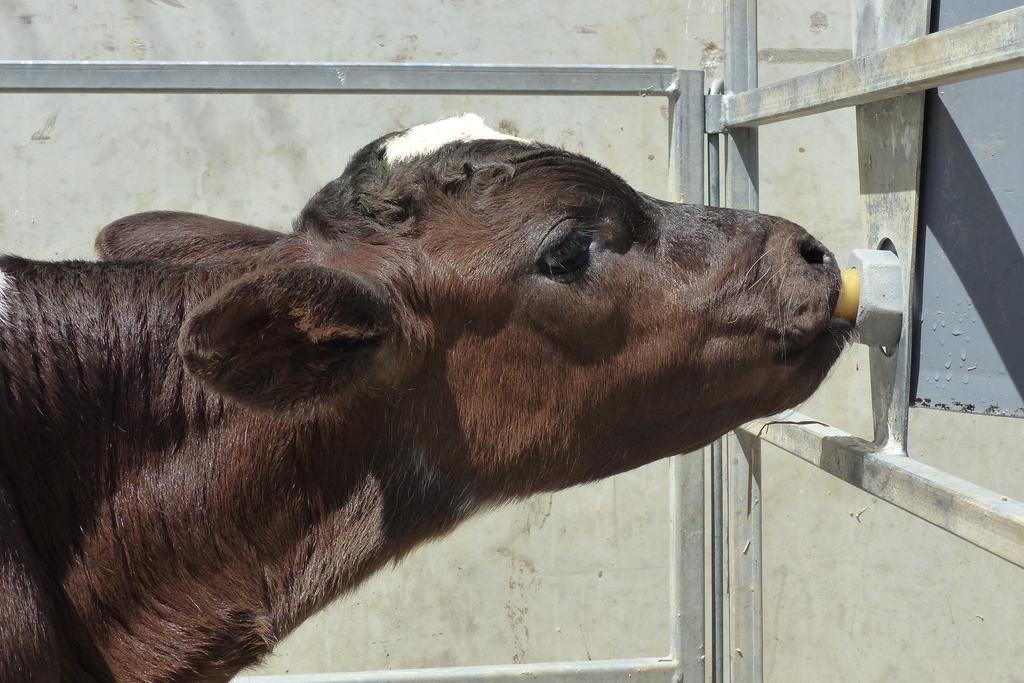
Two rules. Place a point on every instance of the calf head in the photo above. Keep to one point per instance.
(518, 314)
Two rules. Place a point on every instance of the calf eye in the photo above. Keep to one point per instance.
(568, 260)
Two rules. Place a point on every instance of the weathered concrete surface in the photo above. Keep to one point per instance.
(581, 574)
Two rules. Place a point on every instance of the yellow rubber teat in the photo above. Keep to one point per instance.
(849, 295)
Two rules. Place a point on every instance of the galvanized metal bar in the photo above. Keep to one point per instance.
(713, 113)
(714, 141)
(686, 497)
(641, 670)
(332, 77)
(987, 46)
(741, 171)
(890, 171)
(686, 580)
(714, 167)
(686, 138)
(717, 645)
(742, 473)
(718, 601)
(743, 462)
(978, 515)
(741, 75)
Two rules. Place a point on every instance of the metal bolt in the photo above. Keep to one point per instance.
(879, 316)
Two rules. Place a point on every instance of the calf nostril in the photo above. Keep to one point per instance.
(815, 254)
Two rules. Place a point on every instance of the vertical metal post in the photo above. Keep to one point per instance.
(686, 499)
(714, 165)
(743, 469)
(714, 173)
(686, 502)
(741, 74)
(717, 647)
(686, 138)
(743, 477)
(889, 135)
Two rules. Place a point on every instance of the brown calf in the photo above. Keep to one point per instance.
(209, 438)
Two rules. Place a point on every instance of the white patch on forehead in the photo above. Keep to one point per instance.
(6, 296)
(430, 137)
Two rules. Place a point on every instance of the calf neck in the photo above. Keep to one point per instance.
(165, 533)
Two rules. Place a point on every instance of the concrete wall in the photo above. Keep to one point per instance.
(582, 574)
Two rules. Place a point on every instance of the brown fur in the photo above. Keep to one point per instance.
(208, 440)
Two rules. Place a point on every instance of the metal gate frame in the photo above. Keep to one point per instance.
(895, 61)
(684, 91)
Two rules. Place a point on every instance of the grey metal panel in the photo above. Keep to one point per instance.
(970, 322)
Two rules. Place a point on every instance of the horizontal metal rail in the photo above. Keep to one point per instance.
(986, 46)
(644, 670)
(333, 77)
(988, 520)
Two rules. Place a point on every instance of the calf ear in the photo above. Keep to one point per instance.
(287, 336)
(180, 237)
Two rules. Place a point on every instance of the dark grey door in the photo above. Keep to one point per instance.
(970, 310)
